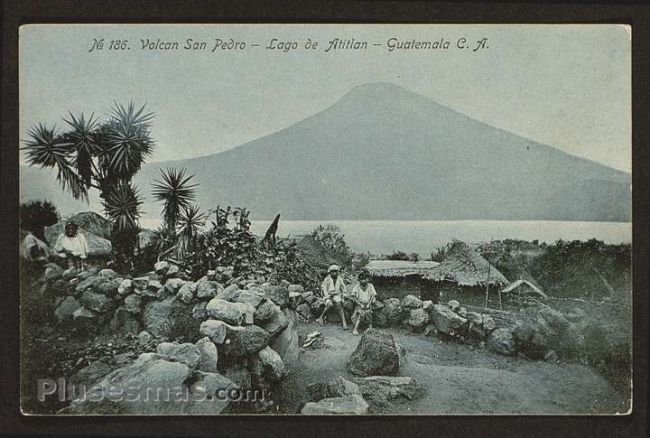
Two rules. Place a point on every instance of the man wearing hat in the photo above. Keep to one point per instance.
(333, 290)
(71, 245)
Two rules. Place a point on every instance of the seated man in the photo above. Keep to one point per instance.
(333, 290)
(72, 246)
(364, 295)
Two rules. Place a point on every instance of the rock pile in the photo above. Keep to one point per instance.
(241, 332)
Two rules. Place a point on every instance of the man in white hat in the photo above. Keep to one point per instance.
(333, 290)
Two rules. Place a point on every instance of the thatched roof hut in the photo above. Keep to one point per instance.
(399, 268)
(465, 267)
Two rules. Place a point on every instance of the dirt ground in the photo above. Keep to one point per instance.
(457, 379)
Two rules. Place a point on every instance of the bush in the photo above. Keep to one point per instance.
(332, 238)
(36, 215)
(398, 255)
(583, 269)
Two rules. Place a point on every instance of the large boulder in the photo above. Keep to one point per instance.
(501, 341)
(530, 340)
(209, 355)
(186, 353)
(445, 320)
(272, 364)
(392, 312)
(210, 391)
(349, 405)
(224, 311)
(411, 302)
(418, 319)
(382, 389)
(338, 387)
(97, 246)
(168, 318)
(285, 343)
(148, 374)
(376, 354)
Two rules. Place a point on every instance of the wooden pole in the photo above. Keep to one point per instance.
(487, 288)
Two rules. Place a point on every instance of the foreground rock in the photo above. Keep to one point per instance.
(349, 405)
(501, 341)
(338, 387)
(382, 389)
(376, 354)
(149, 373)
(445, 320)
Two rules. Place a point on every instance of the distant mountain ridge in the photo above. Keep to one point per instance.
(383, 152)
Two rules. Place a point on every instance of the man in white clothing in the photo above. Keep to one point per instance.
(72, 246)
(333, 291)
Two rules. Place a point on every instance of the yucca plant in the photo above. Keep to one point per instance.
(176, 192)
(104, 156)
(189, 227)
(122, 205)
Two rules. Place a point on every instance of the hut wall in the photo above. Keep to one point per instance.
(467, 295)
(390, 287)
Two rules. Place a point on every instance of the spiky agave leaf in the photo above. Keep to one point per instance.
(46, 148)
(122, 205)
(175, 191)
(82, 138)
(128, 138)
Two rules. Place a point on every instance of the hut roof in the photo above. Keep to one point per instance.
(464, 266)
(315, 254)
(516, 284)
(399, 268)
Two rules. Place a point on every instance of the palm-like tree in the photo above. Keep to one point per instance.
(104, 156)
(176, 192)
(189, 224)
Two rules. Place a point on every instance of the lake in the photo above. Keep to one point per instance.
(384, 237)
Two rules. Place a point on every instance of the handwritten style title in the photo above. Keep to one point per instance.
(218, 45)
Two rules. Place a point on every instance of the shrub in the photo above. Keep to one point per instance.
(332, 238)
(36, 215)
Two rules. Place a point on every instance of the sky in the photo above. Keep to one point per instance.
(568, 86)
